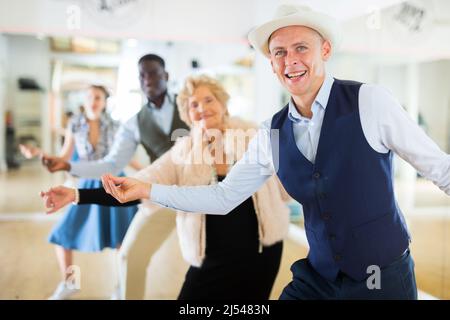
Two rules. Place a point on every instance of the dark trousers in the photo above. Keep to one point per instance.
(397, 281)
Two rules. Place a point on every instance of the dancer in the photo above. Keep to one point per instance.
(332, 147)
(87, 228)
(232, 257)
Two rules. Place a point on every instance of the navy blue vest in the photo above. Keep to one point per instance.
(351, 216)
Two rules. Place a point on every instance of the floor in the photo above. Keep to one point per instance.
(29, 269)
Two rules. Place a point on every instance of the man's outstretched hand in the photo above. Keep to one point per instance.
(54, 164)
(126, 189)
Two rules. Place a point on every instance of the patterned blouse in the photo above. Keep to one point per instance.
(80, 129)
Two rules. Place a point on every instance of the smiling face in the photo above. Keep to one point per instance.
(95, 103)
(298, 55)
(205, 110)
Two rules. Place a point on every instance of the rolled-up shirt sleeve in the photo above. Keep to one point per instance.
(244, 179)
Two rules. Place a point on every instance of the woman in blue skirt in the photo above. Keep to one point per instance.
(91, 227)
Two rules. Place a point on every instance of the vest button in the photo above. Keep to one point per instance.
(316, 175)
(337, 257)
(326, 216)
(332, 237)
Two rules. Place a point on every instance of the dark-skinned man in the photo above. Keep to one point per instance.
(152, 127)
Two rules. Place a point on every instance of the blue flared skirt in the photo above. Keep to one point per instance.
(91, 227)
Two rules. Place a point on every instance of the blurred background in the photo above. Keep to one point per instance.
(50, 49)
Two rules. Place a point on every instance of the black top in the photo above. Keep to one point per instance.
(233, 234)
(99, 196)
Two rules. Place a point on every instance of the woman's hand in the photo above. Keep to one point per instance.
(52, 164)
(58, 197)
(29, 151)
(125, 189)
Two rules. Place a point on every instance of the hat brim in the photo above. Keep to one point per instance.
(328, 28)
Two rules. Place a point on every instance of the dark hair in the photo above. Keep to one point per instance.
(101, 88)
(153, 57)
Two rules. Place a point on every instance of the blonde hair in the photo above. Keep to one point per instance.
(190, 85)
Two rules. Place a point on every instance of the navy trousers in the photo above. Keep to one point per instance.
(397, 281)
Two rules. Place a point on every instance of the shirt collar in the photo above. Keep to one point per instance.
(321, 99)
(167, 102)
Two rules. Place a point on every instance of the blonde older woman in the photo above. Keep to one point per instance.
(234, 256)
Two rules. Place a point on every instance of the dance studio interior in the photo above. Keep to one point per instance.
(51, 51)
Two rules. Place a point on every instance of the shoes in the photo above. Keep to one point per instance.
(63, 292)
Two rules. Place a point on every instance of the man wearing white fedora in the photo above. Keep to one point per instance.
(332, 147)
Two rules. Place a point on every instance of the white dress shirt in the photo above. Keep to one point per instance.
(163, 116)
(386, 126)
(125, 144)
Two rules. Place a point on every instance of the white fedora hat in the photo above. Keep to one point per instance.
(295, 15)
